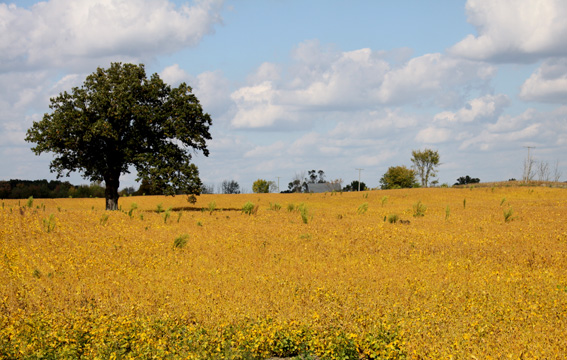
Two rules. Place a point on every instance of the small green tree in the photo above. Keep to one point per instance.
(398, 177)
(261, 186)
(425, 163)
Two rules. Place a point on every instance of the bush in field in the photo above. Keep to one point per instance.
(248, 208)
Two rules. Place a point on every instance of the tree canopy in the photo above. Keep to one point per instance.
(425, 163)
(398, 177)
(353, 186)
(464, 180)
(118, 120)
(262, 186)
(230, 187)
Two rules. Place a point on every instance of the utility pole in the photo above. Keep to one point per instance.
(359, 170)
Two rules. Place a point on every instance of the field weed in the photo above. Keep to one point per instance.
(419, 209)
(362, 209)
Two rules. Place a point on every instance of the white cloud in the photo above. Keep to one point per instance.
(327, 81)
(174, 75)
(515, 30)
(487, 140)
(548, 83)
(257, 106)
(58, 32)
(433, 135)
(266, 72)
(545, 129)
(485, 107)
(430, 75)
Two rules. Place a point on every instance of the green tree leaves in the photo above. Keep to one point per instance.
(120, 119)
(398, 177)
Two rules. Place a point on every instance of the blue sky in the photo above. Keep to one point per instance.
(299, 85)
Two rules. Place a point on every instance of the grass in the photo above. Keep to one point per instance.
(180, 241)
(362, 209)
(508, 215)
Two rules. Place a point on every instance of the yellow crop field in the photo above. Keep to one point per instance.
(467, 273)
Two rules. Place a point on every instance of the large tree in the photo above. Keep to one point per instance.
(118, 120)
(425, 163)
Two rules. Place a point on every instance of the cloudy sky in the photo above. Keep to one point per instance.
(294, 85)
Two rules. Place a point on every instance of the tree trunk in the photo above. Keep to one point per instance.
(111, 192)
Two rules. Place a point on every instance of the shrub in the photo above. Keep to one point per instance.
(393, 218)
(248, 208)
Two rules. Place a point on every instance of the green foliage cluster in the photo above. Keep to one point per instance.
(465, 180)
(261, 186)
(249, 208)
(43, 189)
(119, 120)
(398, 177)
(353, 186)
(138, 337)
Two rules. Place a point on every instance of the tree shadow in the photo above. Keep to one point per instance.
(204, 209)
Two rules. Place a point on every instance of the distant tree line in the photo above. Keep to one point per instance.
(23, 189)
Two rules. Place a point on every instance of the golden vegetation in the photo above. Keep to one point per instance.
(462, 273)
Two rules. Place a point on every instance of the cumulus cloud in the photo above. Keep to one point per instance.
(514, 30)
(59, 32)
(430, 75)
(258, 106)
(548, 83)
(327, 80)
(530, 127)
(485, 107)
